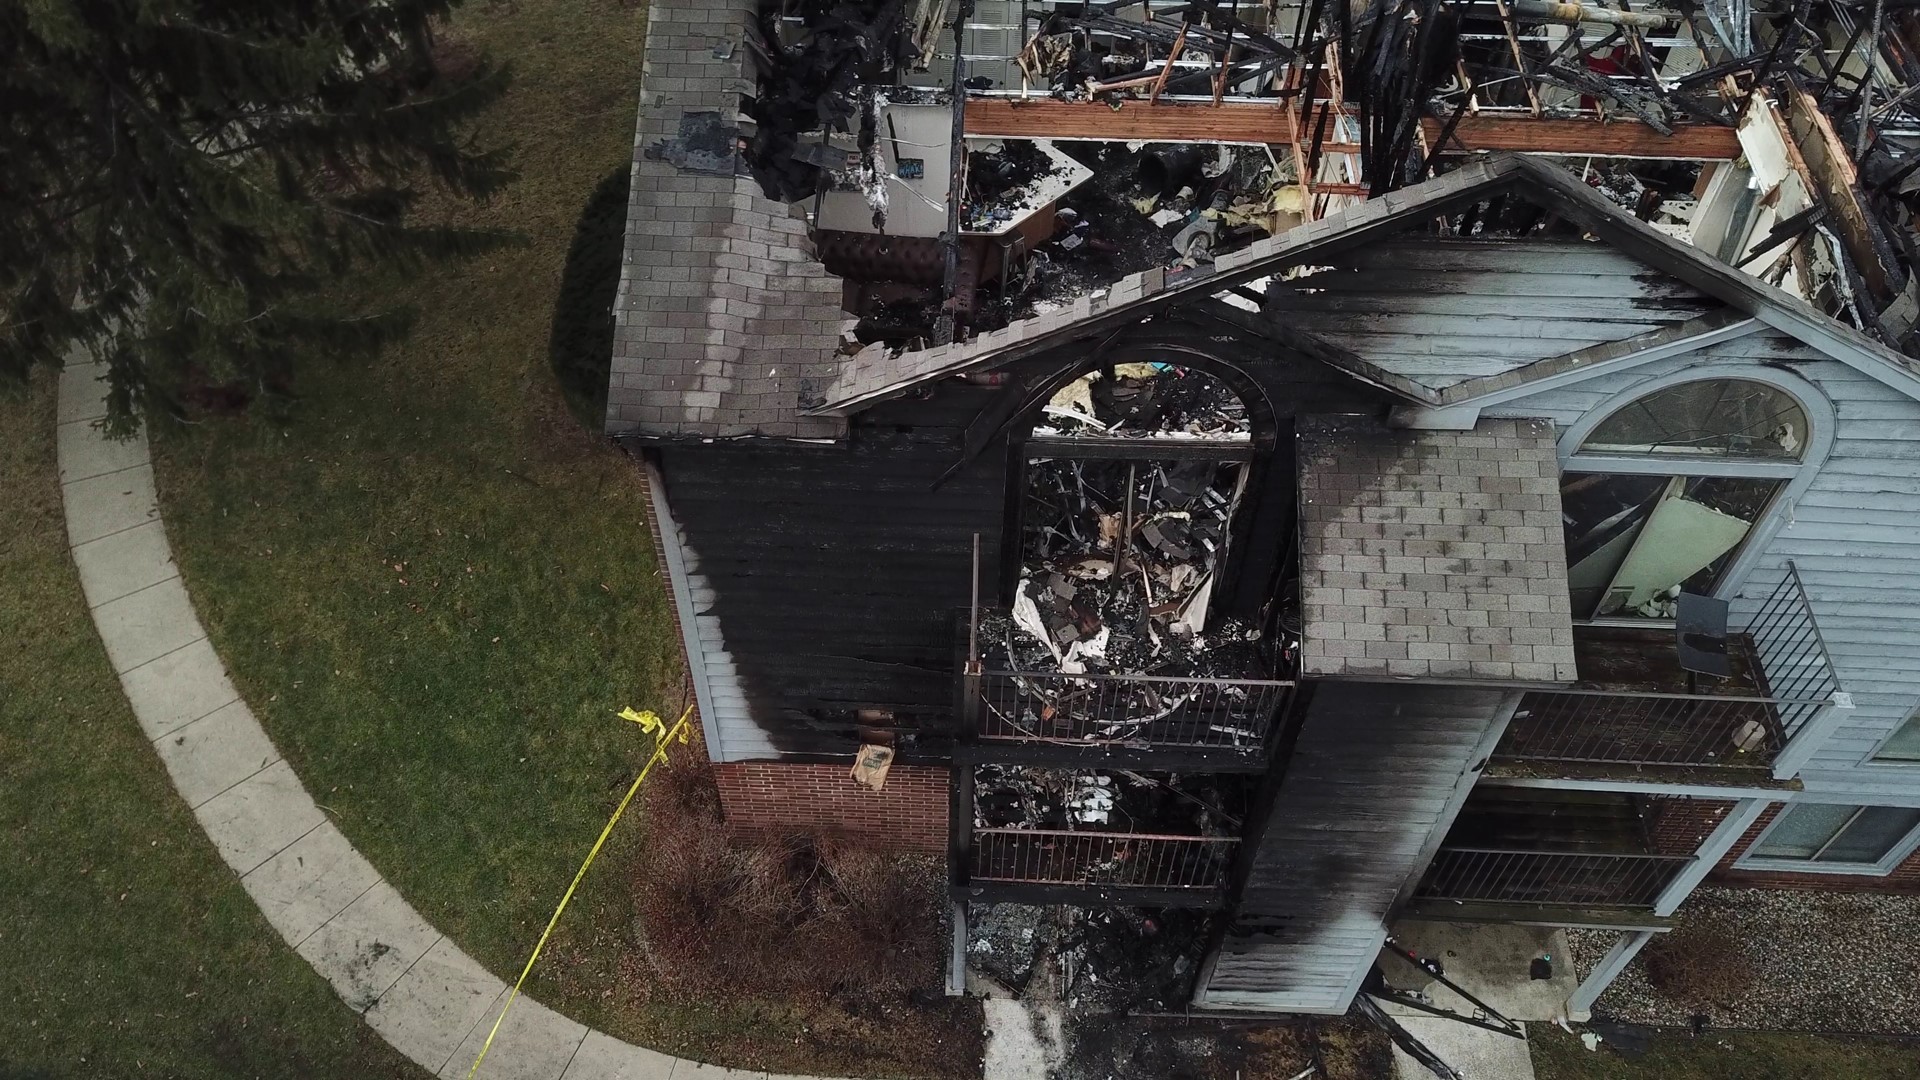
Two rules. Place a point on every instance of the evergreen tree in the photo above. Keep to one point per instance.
(178, 176)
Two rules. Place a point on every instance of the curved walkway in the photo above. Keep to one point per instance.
(424, 995)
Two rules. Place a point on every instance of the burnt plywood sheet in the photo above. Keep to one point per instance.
(1433, 554)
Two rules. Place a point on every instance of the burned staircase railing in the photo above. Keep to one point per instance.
(1738, 727)
(1578, 879)
(1124, 860)
(1125, 709)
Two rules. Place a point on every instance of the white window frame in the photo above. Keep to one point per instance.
(1896, 854)
(1797, 474)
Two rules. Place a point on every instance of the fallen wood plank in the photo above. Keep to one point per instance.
(1243, 122)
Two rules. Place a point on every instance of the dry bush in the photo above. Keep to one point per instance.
(1698, 965)
(810, 915)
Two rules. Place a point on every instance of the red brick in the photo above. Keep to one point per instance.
(770, 797)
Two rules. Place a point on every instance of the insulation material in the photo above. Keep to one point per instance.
(1681, 538)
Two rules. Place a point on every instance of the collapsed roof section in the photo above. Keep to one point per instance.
(812, 177)
(877, 373)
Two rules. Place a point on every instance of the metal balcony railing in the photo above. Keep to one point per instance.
(1732, 728)
(1142, 710)
(1549, 877)
(1140, 860)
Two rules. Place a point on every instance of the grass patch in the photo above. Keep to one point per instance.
(127, 948)
(1675, 1055)
(581, 347)
(435, 589)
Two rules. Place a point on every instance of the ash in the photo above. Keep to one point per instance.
(1090, 959)
(999, 183)
(1032, 798)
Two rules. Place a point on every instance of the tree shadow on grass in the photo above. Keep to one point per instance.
(580, 347)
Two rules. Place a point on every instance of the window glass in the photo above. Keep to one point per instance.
(1833, 833)
(1635, 542)
(1905, 744)
(1872, 836)
(1803, 830)
(1719, 417)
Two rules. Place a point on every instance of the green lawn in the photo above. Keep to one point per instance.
(127, 948)
(1728, 1056)
(435, 588)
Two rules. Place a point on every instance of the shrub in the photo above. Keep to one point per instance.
(1698, 965)
(807, 914)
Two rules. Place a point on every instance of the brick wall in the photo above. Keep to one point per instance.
(770, 798)
(1905, 877)
(1679, 826)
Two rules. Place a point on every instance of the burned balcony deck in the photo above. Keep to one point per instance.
(1636, 708)
(1564, 857)
(1172, 721)
(1098, 837)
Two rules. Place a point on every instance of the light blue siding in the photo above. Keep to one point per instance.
(1854, 534)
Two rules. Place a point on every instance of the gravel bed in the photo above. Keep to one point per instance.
(1821, 961)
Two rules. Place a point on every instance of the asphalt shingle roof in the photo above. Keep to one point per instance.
(1433, 554)
(725, 324)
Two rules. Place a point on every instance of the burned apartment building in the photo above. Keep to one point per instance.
(1260, 474)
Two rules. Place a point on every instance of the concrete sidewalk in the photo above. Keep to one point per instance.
(425, 996)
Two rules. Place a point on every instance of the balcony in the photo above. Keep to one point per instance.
(1563, 857)
(1638, 710)
(1093, 867)
(1217, 722)
(1494, 875)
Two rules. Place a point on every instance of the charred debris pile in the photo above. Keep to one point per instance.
(1122, 548)
(1819, 192)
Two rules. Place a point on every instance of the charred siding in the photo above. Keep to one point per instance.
(1442, 311)
(837, 572)
(835, 575)
(1372, 780)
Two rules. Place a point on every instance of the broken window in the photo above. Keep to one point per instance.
(1722, 417)
(1635, 542)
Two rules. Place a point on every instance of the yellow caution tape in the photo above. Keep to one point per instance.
(651, 724)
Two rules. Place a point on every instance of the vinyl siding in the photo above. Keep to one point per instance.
(1443, 311)
(1372, 779)
(1853, 533)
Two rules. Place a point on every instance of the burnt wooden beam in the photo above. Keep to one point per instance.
(1245, 122)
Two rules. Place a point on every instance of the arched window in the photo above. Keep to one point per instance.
(1662, 492)
(1736, 418)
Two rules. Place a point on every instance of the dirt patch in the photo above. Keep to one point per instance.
(1145, 1048)
(801, 955)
